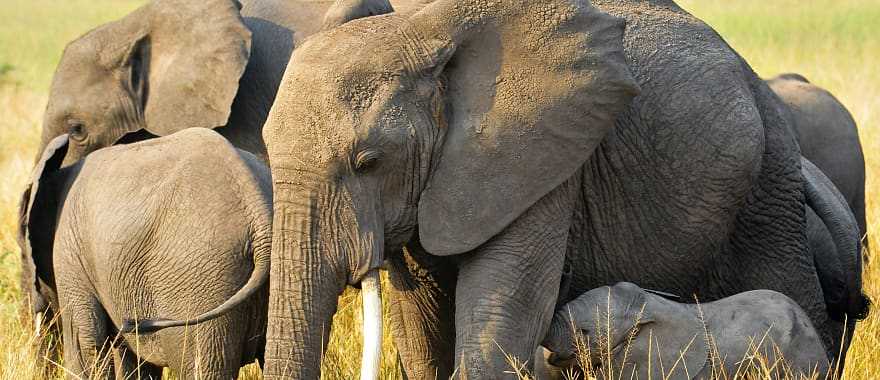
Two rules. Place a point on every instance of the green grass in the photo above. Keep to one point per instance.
(833, 43)
(34, 33)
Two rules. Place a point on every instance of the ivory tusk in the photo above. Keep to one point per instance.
(370, 291)
(38, 324)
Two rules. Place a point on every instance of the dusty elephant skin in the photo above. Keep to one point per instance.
(175, 64)
(173, 227)
(641, 327)
(498, 141)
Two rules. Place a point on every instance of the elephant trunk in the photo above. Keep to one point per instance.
(560, 339)
(317, 248)
(827, 202)
(305, 283)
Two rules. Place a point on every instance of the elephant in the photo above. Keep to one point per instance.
(476, 149)
(828, 137)
(175, 64)
(648, 336)
(171, 226)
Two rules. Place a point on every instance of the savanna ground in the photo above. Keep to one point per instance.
(834, 43)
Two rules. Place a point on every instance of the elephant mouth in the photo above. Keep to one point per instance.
(569, 360)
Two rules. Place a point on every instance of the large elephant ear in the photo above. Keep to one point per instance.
(37, 212)
(185, 57)
(532, 88)
(199, 50)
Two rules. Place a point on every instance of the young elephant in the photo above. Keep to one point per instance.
(172, 227)
(733, 327)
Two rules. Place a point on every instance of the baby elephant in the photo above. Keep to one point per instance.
(732, 328)
(178, 227)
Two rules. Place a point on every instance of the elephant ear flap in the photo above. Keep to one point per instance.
(36, 216)
(532, 88)
(197, 52)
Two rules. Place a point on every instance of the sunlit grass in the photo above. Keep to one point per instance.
(834, 43)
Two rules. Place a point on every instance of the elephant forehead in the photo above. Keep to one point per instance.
(382, 45)
(316, 138)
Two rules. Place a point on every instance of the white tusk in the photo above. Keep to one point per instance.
(370, 291)
(38, 324)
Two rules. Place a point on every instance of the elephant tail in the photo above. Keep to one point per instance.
(259, 277)
(827, 202)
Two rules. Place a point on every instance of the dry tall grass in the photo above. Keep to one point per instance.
(834, 43)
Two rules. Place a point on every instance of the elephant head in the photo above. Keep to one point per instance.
(625, 323)
(451, 120)
(168, 65)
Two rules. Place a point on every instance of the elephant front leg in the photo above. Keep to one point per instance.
(507, 290)
(422, 304)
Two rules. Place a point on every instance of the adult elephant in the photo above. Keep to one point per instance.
(175, 64)
(482, 136)
(828, 137)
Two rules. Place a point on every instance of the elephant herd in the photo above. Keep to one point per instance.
(498, 159)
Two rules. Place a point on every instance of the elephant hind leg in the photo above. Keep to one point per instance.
(129, 367)
(87, 343)
(214, 349)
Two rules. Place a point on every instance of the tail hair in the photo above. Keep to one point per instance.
(864, 308)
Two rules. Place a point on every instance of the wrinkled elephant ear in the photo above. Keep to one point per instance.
(36, 219)
(532, 88)
(199, 50)
(185, 59)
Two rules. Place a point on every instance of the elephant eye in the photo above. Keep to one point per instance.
(366, 160)
(76, 129)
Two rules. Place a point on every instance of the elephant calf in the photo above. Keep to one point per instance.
(646, 333)
(171, 226)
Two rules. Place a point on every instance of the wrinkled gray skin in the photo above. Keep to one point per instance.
(169, 227)
(828, 136)
(494, 170)
(176, 64)
(762, 321)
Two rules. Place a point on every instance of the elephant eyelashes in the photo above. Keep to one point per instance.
(366, 160)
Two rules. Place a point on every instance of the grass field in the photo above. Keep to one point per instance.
(834, 43)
